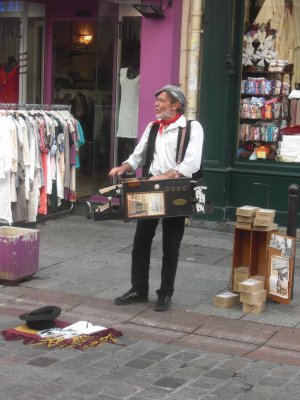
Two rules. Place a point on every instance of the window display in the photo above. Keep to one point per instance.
(268, 71)
(22, 52)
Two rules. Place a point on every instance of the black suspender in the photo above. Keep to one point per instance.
(150, 149)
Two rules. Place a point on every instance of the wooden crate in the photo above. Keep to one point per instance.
(250, 249)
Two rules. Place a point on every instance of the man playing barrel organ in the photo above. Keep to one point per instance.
(170, 106)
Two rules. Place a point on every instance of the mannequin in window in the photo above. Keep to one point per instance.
(128, 114)
(9, 81)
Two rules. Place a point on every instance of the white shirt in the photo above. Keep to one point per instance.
(165, 150)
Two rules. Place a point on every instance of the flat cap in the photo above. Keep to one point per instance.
(176, 92)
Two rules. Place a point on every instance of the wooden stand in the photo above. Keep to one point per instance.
(266, 254)
(250, 249)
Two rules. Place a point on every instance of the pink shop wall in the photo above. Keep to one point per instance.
(160, 55)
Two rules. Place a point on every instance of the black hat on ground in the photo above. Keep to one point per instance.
(41, 318)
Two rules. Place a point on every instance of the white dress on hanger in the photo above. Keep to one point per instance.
(128, 114)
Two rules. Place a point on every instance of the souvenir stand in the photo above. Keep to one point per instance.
(262, 253)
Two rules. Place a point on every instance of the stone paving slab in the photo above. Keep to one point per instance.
(285, 338)
(23, 295)
(178, 320)
(212, 344)
(237, 330)
(276, 355)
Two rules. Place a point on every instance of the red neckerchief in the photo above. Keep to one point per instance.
(165, 122)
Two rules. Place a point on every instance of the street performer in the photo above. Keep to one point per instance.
(170, 106)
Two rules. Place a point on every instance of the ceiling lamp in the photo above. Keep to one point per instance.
(152, 10)
(85, 38)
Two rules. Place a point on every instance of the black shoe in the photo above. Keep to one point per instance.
(163, 303)
(131, 297)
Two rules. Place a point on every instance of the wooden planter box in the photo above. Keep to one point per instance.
(19, 254)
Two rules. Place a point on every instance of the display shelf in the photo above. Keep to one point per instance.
(244, 120)
(267, 96)
(273, 102)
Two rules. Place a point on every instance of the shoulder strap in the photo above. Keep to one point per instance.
(150, 149)
(184, 135)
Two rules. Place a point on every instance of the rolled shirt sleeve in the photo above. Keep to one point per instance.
(138, 158)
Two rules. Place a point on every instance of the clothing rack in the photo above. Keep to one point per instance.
(37, 107)
(47, 107)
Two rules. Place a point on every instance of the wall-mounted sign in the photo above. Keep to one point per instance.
(10, 6)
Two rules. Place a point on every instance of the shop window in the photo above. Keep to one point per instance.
(270, 71)
(21, 57)
(74, 77)
(83, 66)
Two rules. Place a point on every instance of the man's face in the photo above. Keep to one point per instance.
(164, 108)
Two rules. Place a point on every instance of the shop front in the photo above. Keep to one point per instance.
(103, 60)
(250, 65)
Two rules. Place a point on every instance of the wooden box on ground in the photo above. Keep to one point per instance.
(226, 299)
(246, 211)
(253, 298)
(253, 308)
(19, 254)
(250, 286)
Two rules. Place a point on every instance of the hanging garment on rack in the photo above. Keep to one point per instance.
(38, 156)
(19, 207)
(44, 151)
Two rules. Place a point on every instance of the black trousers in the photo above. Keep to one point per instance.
(173, 229)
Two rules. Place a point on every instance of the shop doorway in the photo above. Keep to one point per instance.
(86, 85)
(90, 60)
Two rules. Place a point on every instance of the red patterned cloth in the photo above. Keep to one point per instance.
(81, 342)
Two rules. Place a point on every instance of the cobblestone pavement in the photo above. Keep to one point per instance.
(192, 351)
